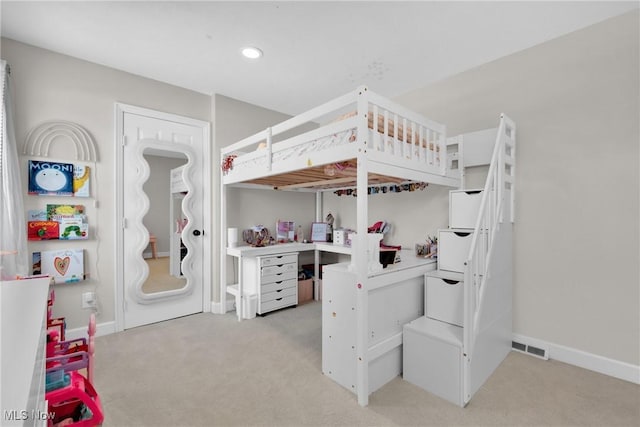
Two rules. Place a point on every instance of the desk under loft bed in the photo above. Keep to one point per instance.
(362, 140)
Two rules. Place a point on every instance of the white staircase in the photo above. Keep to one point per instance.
(466, 330)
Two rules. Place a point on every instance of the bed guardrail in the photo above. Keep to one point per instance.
(398, 133)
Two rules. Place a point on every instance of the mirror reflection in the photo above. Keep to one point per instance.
(164, 221)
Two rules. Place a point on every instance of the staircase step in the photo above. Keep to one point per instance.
(436, 329)
(444, 274)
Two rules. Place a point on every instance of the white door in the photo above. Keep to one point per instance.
(144, 136)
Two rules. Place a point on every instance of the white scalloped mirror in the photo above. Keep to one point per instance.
(164, 222)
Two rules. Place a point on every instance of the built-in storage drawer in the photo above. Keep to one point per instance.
(279, 294)
(431, 353)
(464, 206)
(278, 259)
(279, 302)
(280, 284)
(453, 249)
(279, 268)
(444, 300)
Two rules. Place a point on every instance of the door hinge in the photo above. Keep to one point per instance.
(124, 140)
(124, 223)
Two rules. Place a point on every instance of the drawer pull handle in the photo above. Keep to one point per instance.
(461, 234)
(280, 265)
(279, 282)
(278, 299)
(280, 290)
(279, 256)
(450, 282)
(473, 192)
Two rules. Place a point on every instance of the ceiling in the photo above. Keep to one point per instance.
(313, 51)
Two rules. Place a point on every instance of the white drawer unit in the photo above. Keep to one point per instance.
(273, 279)
(464, 206)
(444, 299)
(453, 249)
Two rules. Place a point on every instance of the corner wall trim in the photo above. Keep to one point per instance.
(216, 307)
(593, 362)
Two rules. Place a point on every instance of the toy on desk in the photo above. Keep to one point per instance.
(329, 220)
(257, 236)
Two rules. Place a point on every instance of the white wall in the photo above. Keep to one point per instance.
(47, 86)
(576, 104)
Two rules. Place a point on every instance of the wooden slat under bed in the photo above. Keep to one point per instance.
(324, 177)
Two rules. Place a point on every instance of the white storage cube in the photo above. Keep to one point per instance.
(445, 300)
(431, 357)
(453, 249)
(464, 207)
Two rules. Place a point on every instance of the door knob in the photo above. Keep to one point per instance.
(197, 232)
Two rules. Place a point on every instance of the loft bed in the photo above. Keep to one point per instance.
(360, 140)
(401, 146)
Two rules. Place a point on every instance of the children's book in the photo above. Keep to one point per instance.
(36, 266)
(73, 228)
(37, 215)
(65, 266)
(50, 178)
(81, 180)
(58, 212)
(42, 230)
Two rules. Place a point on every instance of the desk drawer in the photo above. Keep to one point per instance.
(278, 259)
(277, 303)
(279, 268)
(278, 277)
(276, 286)
(279, 294)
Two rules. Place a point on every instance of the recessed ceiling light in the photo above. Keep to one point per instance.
(251, 52)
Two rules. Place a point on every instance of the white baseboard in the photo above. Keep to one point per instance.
(216, 307)
(104, 328)
(147, 255)
(593, 362)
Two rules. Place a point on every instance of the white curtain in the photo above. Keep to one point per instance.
(14, 259)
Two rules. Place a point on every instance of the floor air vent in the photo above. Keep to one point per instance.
(529, 349)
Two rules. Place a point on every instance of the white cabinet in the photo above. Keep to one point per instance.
(444, 299)
(432, 355)
(453, 249)
(397, 298)
(273, 279)
(23, 324)
(464, 206)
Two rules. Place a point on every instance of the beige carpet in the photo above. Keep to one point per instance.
(211, 370)
(159, 278)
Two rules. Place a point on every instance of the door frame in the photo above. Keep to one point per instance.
(120, 110)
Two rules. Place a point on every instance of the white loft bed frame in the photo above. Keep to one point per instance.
(404, 146)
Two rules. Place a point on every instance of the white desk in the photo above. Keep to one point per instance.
(242, 252)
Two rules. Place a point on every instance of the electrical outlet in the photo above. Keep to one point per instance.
(88, 300)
